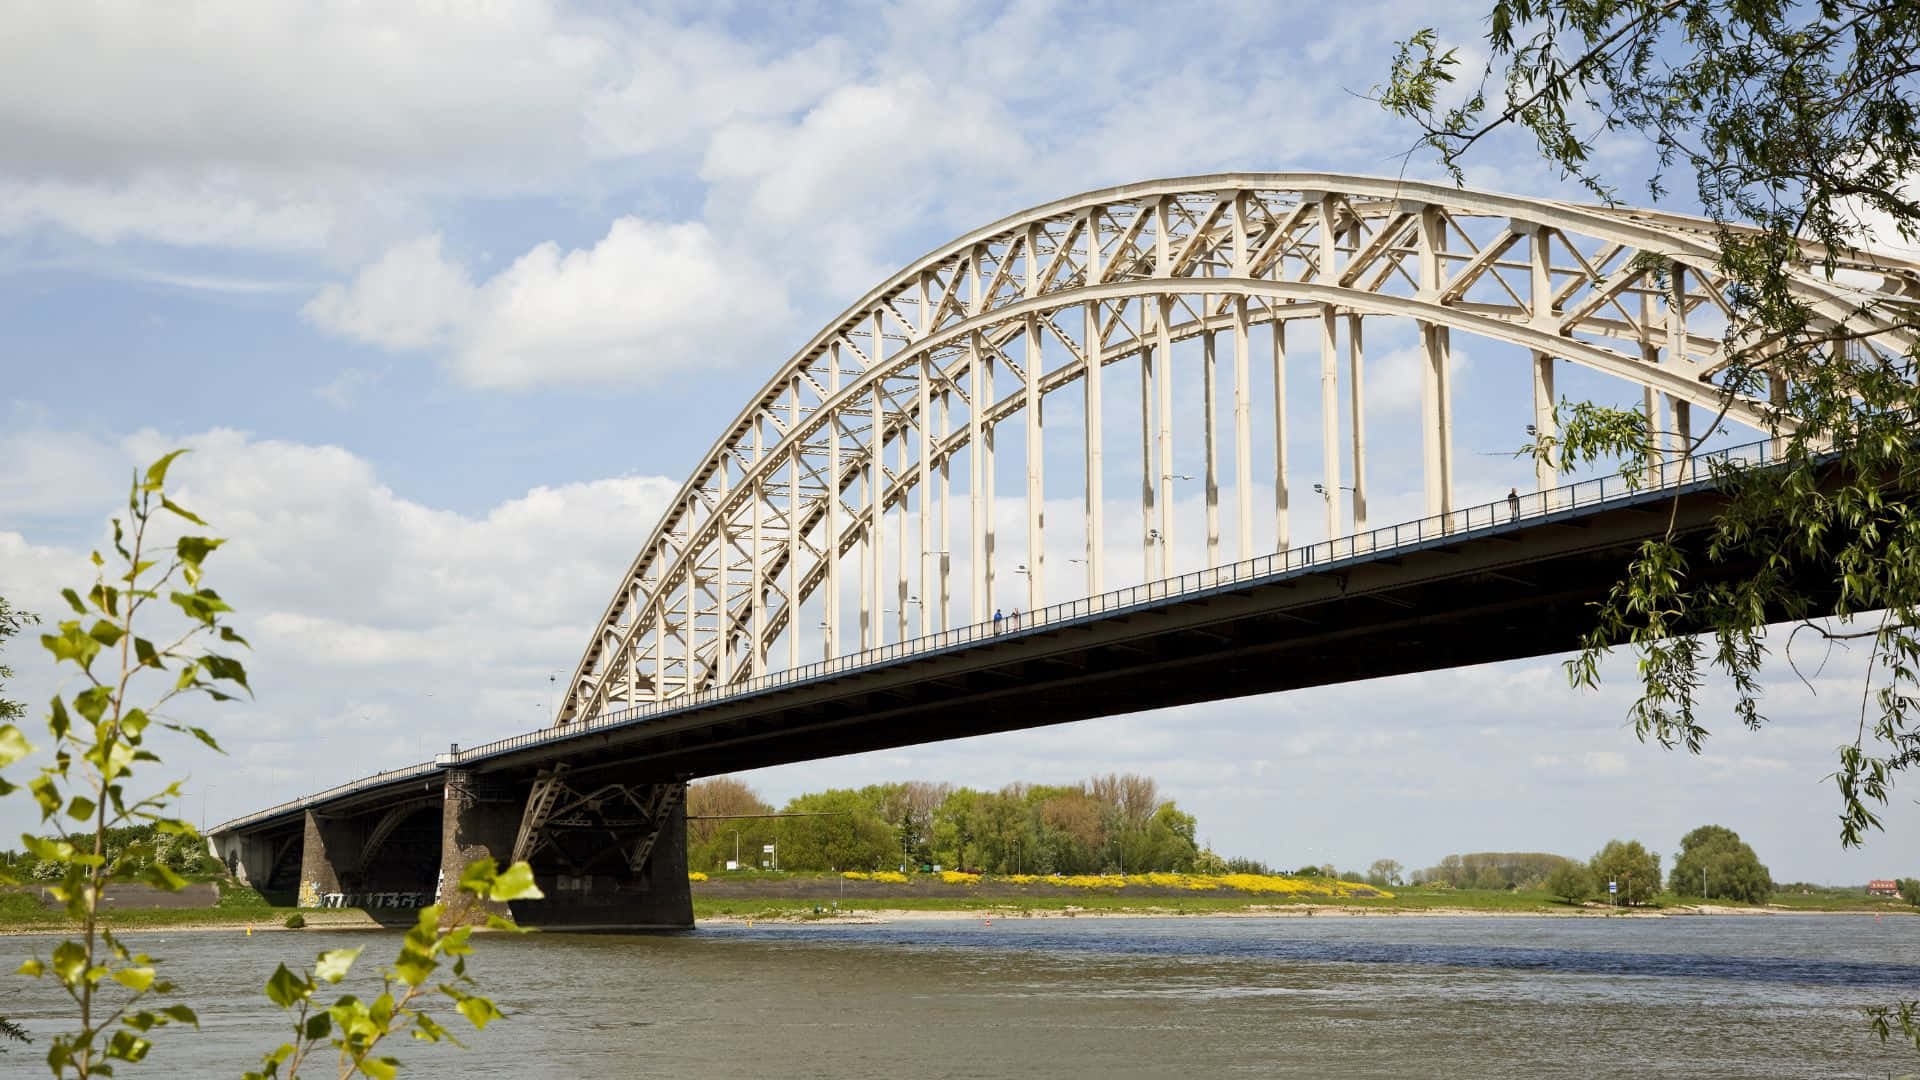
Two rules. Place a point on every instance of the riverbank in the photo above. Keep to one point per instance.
(810, 898)
(758, 896)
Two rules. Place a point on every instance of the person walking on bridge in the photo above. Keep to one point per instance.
(1513, 504)
(996, 620)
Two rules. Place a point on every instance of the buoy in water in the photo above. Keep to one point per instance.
(249, 929)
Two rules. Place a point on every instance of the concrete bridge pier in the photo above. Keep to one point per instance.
(249, 857)
(330, 857)
(475, 823)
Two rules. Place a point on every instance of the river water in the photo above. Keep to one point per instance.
(1775, 996)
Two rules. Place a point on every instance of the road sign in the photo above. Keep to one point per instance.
(767, 848)
(1613, 886)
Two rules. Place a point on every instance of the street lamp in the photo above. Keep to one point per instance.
(1325, 494)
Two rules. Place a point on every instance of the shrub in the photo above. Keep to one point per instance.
(1570, 882)
(296, 921)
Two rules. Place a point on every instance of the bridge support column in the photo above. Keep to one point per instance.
(249, 857)
(329, 853)
(472, 828)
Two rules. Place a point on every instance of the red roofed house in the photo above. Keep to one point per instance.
(1883, 888)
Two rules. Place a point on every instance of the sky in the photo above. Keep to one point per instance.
(447, 300)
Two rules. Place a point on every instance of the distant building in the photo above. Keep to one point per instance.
(1884, 888)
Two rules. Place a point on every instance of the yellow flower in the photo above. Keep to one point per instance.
(696, 875)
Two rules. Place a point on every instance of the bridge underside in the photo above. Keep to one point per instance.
(608, 853)
(599, 814)
(1521, 592)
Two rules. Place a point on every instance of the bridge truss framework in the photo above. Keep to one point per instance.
(853, 445)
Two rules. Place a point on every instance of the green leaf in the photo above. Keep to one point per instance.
(136, 979)
(319, 1026)
(284, 987)
(47, 850)
(516, 884)
(193, 550)
(385, 1068)
(222, 667)
(479, 1011)
(334, 964)
(69, 961)
(203, 736)
(126, 1046)
(92, 702)
(106, 633)
(157, 472)
(73, 601)
(183, 1014)
(80, 808)
(13, 744)
(414, 966)
(181, 510)
(160, 876)
(47, 794)
(32, 967)
(71, 644)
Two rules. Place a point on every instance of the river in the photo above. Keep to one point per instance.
(1776, 996)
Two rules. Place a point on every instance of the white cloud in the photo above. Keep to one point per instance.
(649, 298)
(51, 472)
(358, 599)
(410, 298)
(211, 211)
(1605, 763)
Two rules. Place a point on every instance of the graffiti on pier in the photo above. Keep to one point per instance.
(312, 897)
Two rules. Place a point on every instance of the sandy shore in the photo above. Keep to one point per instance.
(356, 920)
(338, 919)
(1256, 911)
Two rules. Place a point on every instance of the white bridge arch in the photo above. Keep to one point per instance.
(865, 425)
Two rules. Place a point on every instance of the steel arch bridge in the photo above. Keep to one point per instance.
(860, 434)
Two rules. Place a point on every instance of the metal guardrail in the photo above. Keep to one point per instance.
(1663, 477)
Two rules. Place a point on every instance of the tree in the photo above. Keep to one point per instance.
(1385, 872)
(1910, 890)
(1714, 861)
(1800, 126)
(846, 834)
(1570, 882)
(716, 831)
(1635, 869)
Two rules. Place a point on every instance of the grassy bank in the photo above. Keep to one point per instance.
(238, 907)
(812, 896)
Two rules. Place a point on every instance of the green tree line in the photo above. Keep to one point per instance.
(1713, 864)
(1111, 823)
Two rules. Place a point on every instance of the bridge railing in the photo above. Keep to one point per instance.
(1660, 477)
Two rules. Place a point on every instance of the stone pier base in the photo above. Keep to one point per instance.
(474, 825)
